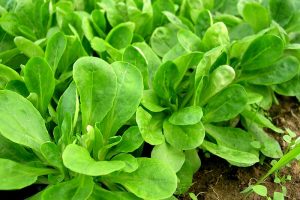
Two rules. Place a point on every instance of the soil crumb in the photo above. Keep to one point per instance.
(217, 180)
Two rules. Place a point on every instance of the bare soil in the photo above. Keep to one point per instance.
(217, 180)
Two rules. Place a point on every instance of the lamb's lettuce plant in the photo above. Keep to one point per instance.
(85, 84)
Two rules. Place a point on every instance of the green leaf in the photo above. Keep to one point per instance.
(270, 146)
(100, 193)
(162, 40)
(121, 35)
(29, 48)
(186, 116)
(262, 52)
(150, 126)
(184, 137)
(165, 79)
(256, 15)
(36, 72)
(15, 175)
(97, 86)
(188, 40)
(131, 140)
(256, 117)
(13, 151)
(79, 188)
(135, 56)
(260, 190)
(281, 71)
(7, 74)
(131, 163)
(218, 80)
(233, 138)
(216, 35)
(127, 99)
(156, 179)
(289, 88)
(226, 105)
(15, 124)
(55, 48)
(235, 157)
(52, 155)
(172, 156)
(151, 101)
(78, 159)
(282, 11)
(190, 167)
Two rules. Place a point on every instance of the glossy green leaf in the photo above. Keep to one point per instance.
(78, 159)
(218, 80)
(15, 124)
(135, 56)
(151, 101)
(36, 72)
(27, 47)
(282, 11)
(236, 157)
(131, 140)
(121, 35)
(150, 126)
(172, 156)
(77, 188)
(190, 167)
(7, 74)
(55, 49)
(16, 175)
(156, 179)
(256, 117)
(184, 137)
(186, 116)
(127, 99)
(97, 86)
(226, 105)
(214, 36)
(281, 71)
(262, 52)
(256, 15)
(130, 161)
(289, 88)
(100, 193)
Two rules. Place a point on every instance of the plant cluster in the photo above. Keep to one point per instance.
(87, 87)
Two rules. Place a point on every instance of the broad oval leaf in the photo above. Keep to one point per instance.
(184, 137)
(121, 35)
(150, 126)
(216, 35)
(29, 48)
(103, 194)
(78, 159)
(97, 86)
(151, 101)
(156, 180)
(55, 49)
(226, 105)
(127, 99)
(15, 124)
(36, 72)
(217, 81)
(281, 71)
(186, 116)
(256, 15)
(15, 175)
(235, 157)
(172, 156)
(80, 187)
(7, 74)
(262, 52)
(289, 88)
